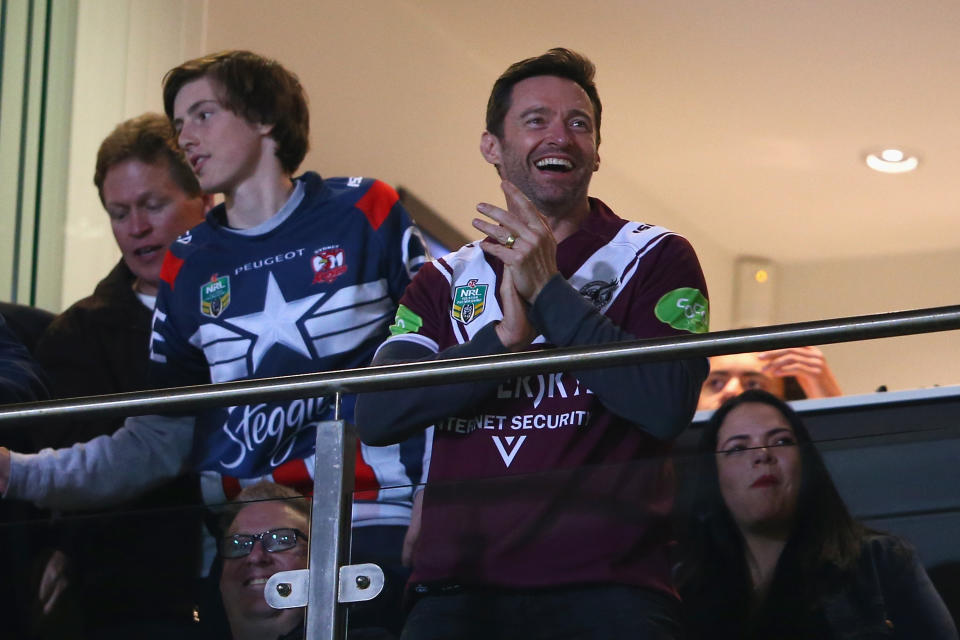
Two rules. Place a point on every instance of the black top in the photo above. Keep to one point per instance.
(887, 595)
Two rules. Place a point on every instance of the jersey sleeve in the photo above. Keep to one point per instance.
(404, 251)
(422, 314)
(668, 297)
(174, 361)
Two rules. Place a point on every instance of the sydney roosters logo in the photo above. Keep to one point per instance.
(328, 264)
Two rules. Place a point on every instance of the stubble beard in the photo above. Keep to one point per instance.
(553, 201)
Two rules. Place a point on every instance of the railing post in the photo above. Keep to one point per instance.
(330, 528)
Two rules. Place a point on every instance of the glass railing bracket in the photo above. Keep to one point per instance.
(360, 582)
(288, 589)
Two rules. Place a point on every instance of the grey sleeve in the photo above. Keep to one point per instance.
(386, 417)
(143, 453)
(659, 397)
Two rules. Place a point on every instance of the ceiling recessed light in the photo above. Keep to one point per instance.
(892, 161)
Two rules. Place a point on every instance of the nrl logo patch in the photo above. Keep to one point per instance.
(328, 264)
(215, 296)
(469, 301)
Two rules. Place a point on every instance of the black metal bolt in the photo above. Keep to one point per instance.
(363, 582)
(284, 589)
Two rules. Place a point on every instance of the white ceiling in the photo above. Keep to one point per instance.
(751, 118)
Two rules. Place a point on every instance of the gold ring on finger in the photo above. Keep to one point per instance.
(508, 243)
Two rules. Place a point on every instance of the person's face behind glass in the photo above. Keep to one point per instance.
(758, 466)
(243, 579)
(733, 374)
(148, 210)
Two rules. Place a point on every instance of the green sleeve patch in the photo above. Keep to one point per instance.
(685, 309)
(406, 321)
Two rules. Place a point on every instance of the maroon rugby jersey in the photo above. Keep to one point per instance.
(545, 485)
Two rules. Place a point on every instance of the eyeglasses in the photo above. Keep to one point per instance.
(241, 544)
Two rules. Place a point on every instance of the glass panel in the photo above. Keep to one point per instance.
(37, 42)
(149, 568)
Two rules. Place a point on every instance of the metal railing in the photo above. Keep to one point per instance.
(334, 474)
(189, 399)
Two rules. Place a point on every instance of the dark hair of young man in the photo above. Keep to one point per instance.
(148, 138)
(558, 62)
(257, 89)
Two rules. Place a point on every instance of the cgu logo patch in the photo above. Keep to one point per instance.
(685, 309)
(328, 264)
(215, 296)
(406, 321)
(469, 301)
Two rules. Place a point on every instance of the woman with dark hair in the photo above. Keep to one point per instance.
(772, 552)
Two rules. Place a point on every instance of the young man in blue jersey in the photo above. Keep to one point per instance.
(288, 275)
(548, 497)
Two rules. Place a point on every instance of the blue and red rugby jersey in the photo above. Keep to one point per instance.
(312, 289)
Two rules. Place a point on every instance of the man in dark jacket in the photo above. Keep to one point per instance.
(132, 566)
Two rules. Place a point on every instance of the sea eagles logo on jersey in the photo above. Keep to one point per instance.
(215, 296)
(185, 237)
(328, 264)
(469, 301)
(598, 292)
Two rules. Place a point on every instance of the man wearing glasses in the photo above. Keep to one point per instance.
(265, 536)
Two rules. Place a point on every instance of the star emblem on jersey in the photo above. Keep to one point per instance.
(469, 301)
(507, 447)
(277, 323)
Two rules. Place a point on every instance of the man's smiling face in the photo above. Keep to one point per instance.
(243, 579)
(549, 147)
